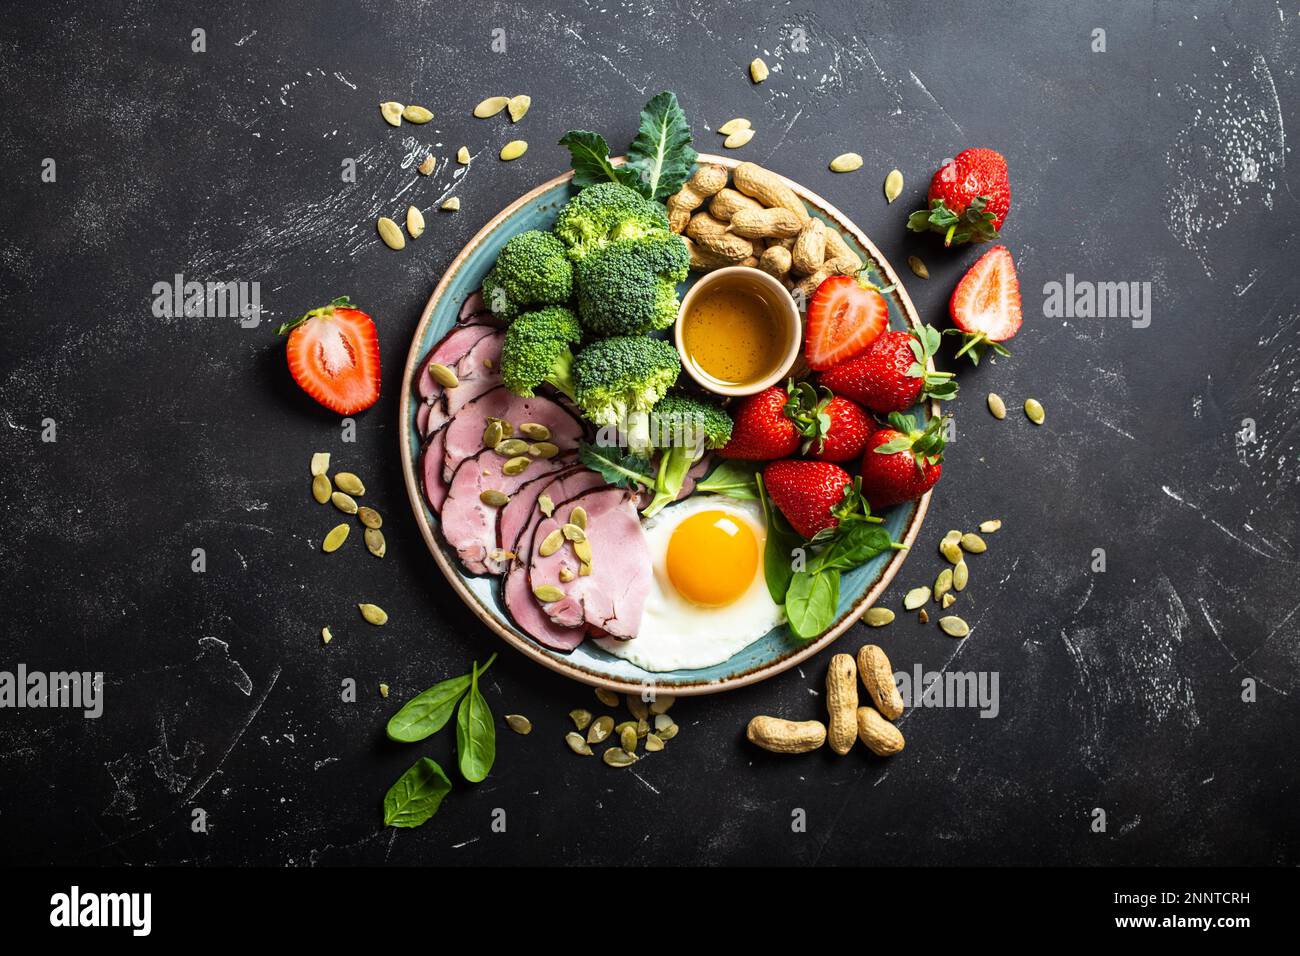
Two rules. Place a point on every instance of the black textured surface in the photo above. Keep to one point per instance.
(1119, 690)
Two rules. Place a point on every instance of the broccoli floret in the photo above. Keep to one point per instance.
(682, 428)
(618, 380)
(630, 286)
(536, 351)
(532, 269)
(605, 213)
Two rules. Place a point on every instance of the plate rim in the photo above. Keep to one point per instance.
(452, 574)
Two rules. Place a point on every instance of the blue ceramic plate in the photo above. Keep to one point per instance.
(770, 655)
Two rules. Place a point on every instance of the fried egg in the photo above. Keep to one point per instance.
(708, 599)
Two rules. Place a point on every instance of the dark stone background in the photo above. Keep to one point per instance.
(1162, 160)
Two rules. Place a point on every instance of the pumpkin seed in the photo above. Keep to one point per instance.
(733, 125)
(320, 489)
(374, 614)
(846, 163)
(493, 498)
(370, 517)
(451, 204)
(916, 597)
(757, 70)
(960, 576)
(738, 139)
(922, 617)
(334, 540)
(414, 222)
(584, 569)
(519, 724)
(577, 744)
(665, 727)
(627, 739)
(578, 516)
(383, 691)
(462, 156)
(637, 707)
(550, 544)
(426, 165)
(391, 235)
(919, 268)
(973, 543)
(416, 114)
(516, 466)
(954, 626)
(583, 550)
(567, 575)
(1034, 411)
(878, 616)
(491, 106)
(518, 106)
(573, 533)
(534, 431)
(661, 703)
(497, 554)
(943, 583)
(600, 729)
(493, 434)
(546, 505)
(544, 450)
(548, 593)
(443, 375)
(997, 407)
(513, 150)
(653, 743)
(618, 757)
(950, 546)
(320, 463)
(607, 697)
(948, 600)
(350, 483)
(392, 113)
(344, 503)
(988, 527)
(511, 447)
(375, 543)
(580, 718)
(893, 185)
(325, 635)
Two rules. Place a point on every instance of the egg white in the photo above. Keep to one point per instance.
(678, 635)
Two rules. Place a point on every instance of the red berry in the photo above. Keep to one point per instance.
(762, 431)
(844, 317)
(805, 492)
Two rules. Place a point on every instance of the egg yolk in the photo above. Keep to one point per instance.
(712, 558)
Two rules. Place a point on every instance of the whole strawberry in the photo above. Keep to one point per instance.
(891, 375)
(762, 431)
(808, 493)
(847, 434)
(903, 462)
(970, 197)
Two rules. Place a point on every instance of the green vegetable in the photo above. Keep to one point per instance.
(619, 468)
(417, 795)
(659, 160)
(536, 351)
(606, 213)
(856, 544)
(778, 552)
(591, 163)
(811, 601)
(682, 428)
(733, 478)
(618, 380)
(629, 286)
(428, 712)
(532, 269)
(476, 736)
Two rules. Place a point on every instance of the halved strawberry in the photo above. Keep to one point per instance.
(333, 355)
(844, 317)
(985, 306)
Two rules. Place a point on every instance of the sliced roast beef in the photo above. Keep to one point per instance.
(469, 525)
(465, 430)
(431, 458)
(515, 592)
(453, 347)
(612, 597)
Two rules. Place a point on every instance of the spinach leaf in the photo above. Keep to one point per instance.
(811, 601)
(427, 713)
(856, 544)
(476, 735)
(778, 558)
(591, 164)
(661, 154)
(416, 796)
(735, 479)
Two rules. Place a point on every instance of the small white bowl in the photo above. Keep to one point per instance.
(786, 314)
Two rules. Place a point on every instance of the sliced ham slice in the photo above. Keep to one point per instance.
(435, 488)
(479, 372)
(449, 351)
(516, 594)
(465, 431)
(613, 596)
(473, 303)
(468, 525)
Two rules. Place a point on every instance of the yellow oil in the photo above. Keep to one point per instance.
(732, 333)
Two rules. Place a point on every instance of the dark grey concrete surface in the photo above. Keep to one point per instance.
(1162, 160)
